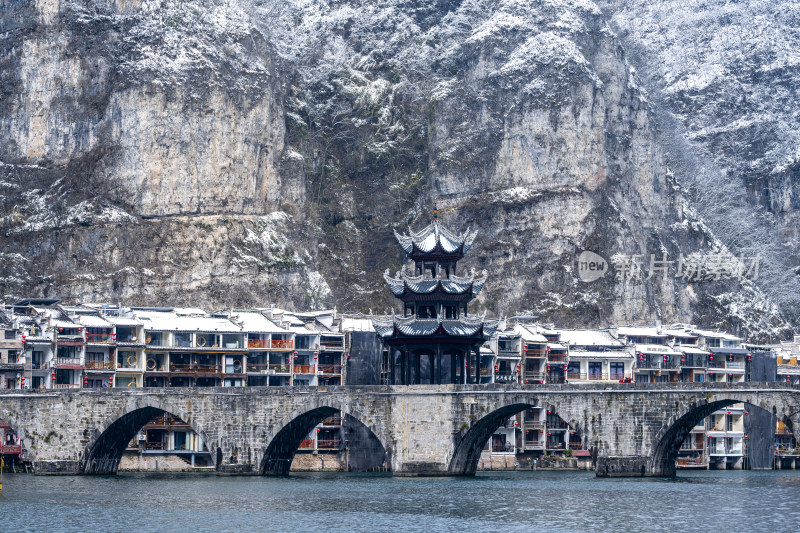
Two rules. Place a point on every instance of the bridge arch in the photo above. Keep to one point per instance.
(285, 438)
(106, 445)
(468, 448)
(669, 439)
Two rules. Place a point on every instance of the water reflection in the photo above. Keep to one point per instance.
(496, 501)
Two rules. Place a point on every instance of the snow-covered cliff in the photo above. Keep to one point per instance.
(239, 152)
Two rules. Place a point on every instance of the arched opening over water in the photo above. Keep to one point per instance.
(468, 450)
(724, 443)
(169, 435)
(542, 431)
(324, 429)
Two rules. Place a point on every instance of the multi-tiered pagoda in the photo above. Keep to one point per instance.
(435, 340)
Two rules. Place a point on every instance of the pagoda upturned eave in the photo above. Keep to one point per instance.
(405, 285)
(435, 239)
(411, 327)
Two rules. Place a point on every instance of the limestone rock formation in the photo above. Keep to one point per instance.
(242, 152)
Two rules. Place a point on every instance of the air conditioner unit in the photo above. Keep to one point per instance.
(141, 436)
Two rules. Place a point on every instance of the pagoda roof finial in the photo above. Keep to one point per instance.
(435, 211)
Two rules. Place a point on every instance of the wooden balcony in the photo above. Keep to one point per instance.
(597, 376)
(280, 368)
(304, 369)
(532, 377)
(100, 338)
(330, 369)
(258, 343)
(99, 365)
(332, 344)
(557, 357)
(68, 362)
(328, 444)
(194, 368)
(333, 420)
(282, 344)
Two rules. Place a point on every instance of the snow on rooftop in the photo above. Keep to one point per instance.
(639, 331)
(588, 337)
(529, 334)
(255, 322)
(94, 321)
(172, 321)
(357, 324)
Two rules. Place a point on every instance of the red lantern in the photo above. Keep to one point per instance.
(60, 329)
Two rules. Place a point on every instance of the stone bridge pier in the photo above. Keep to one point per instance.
(631, 429)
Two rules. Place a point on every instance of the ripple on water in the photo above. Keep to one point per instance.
(495, 501)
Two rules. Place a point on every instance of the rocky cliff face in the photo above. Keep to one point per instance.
(238, 153)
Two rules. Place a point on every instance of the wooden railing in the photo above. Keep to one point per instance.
(330, 369)
(99, 365)
(535, 352)
(597, 376)
(258, 343)
(332, 343)
(575, 445)
(68, 361)
(257, 367)
(556, 357)
(282, 344)
(333, 420)
(304, 369)
(176, 367)
(328, 444)
(99, 337)
(533, 376)
(534, 424)
(280, 368)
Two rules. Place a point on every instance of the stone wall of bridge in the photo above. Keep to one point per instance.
(632, 429)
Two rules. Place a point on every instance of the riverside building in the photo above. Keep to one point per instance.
(45, 345)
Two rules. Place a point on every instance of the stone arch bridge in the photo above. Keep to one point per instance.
(632, 429)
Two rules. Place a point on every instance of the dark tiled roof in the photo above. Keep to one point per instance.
(387, 327)
(421, 285)
(436, 237)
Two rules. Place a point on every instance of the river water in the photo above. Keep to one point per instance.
(741, 501)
